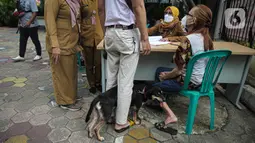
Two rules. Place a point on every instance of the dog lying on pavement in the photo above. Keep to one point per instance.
(103, 106)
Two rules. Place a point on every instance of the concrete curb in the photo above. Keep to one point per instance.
(248, 97)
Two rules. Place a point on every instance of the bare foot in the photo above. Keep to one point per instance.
(118, 126)
(170, 120)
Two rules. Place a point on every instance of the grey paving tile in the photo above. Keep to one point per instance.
(76, 125)
(40, 119)
(7, 113)
(12, 97)
(27, 99)
(57, 112)
(29, 93)
(22, 117)
(41, 101)
(74, 115)
(59, 134)
(79, 137)
(58, 122)
(43, 109)
(5, 125)
(39, 132)
(41, 94)
(21, 107)
(12, 104)
(19, 129)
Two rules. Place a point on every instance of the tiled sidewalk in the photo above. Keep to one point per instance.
(27, 115)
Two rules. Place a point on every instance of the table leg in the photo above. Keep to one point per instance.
(103, 71)
(234, 91)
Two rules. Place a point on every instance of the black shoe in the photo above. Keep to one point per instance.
(93, 90)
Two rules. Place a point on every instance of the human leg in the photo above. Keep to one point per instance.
(128, 63)
(33, 33)
(159, 70)
(88, 53)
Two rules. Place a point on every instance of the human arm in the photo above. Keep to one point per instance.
(170, 75)
(140, 14)
(101, 12)
(51, 9)
(34, 11)
(153, 29)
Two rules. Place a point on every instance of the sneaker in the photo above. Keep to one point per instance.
(18, 59)
(72, 107)
(37, 58)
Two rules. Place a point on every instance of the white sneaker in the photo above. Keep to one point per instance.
(37, 58)
(18, 59)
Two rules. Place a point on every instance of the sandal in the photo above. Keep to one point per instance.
(122, 130)
(162, 127)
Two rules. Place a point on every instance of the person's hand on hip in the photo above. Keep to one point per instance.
(146, 47)
(55, 54)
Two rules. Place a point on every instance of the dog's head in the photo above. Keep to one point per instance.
(155, 93)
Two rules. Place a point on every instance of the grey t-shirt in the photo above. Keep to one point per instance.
(28, 5)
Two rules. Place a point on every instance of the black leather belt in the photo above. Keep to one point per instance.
(132, 26)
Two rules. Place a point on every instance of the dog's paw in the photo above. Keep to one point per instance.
(101, 139)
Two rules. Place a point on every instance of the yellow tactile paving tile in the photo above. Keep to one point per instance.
(19, 85)
(17, 139)
(9, 79)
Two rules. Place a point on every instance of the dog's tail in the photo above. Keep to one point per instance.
(92, 105)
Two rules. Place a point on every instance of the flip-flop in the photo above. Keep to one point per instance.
(122, 130)
(162, 127)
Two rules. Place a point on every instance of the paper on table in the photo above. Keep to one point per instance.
(155, 40)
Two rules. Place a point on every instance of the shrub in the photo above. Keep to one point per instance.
(6, 9)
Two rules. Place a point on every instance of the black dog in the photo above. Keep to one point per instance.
(103, 105)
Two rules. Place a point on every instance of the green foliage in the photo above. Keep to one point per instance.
(6, 9)
(41, 8)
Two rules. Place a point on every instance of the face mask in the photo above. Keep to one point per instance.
(168, 18)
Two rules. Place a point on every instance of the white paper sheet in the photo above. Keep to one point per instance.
(155, 40)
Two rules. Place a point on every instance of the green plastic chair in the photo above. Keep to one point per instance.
(216, 61)
(81, 68)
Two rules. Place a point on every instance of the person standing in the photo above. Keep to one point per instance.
(119, 19)
(28, 27)
(91, 36)
(62, 36)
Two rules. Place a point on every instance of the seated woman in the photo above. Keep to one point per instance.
(170, 26)
(198, 40)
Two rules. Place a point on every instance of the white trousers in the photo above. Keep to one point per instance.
(122, 47)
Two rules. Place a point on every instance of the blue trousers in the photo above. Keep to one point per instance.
(171, 85)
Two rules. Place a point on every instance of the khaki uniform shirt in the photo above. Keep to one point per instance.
(91, 30)
(59, 31)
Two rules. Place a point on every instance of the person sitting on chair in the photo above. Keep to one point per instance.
(198, 40)
(170, 26)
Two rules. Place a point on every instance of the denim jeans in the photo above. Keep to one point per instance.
(171, 85)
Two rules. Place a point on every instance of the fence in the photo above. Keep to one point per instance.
(244, 36)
